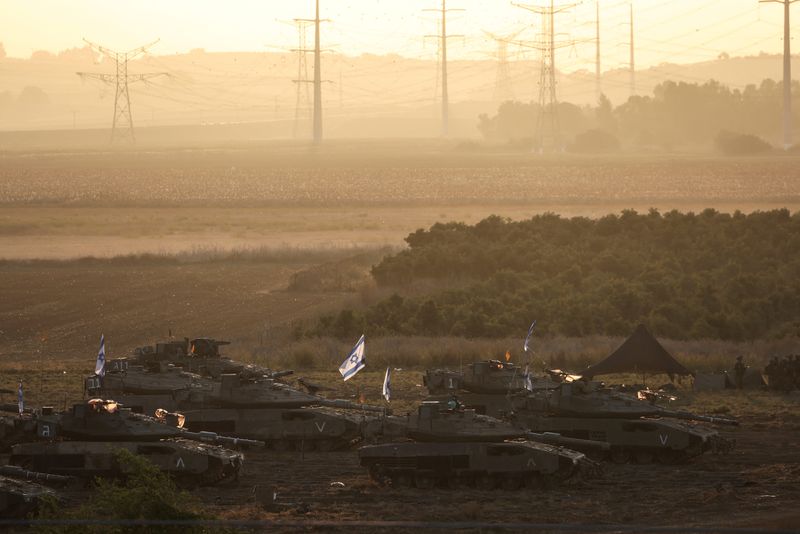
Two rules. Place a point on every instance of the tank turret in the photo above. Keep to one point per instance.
(438, 421)
(591, 399)
(105, 420)
(488, 377)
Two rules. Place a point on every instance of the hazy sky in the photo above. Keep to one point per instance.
(666, 31)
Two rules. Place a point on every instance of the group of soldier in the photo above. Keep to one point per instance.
(784, 373)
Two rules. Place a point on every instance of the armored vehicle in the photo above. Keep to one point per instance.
(187, 461)
(307, 428)
(21, 490)
(632, 437)
(199, 356)
(491, 376)
(240, 400)
(82, 442)
(101, 420)
(591, 399)
(510, 465)
(438, 421)
(15, 429)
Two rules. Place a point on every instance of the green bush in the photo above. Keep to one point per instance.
(705, 275)
(735, 144)
(145, 493)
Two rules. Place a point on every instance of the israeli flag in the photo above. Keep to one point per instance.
(100, 366)
(387, 389)
(355, 361)
(528, 337)
(20, 400)
(527, 383)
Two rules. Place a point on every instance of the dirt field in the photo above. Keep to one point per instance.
(754, 486)
(285, 210)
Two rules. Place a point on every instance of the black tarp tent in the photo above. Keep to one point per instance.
(641, 354)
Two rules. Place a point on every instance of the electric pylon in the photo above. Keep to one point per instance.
(122, 123)
(302, 110)
(632, 57)
(548, 135)
(317, 81)
(443, 37)
(503, 90)
(598, 81)
(787, 72)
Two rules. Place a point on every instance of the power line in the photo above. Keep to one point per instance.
(442, 37)
(302, 81)
(548, 134)
(503, 90)
(787, 71)
(122, 123)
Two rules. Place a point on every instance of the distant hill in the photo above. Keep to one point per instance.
(366, 95)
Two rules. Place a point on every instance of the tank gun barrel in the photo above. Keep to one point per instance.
(697, 417)
(347, 405)
(557, 439)
(14, 471)
(213, 437)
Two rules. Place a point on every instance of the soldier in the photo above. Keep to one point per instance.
(739, 370)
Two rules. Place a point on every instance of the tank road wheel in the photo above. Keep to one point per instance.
(511, 483)
(643, 457)
(424, 480)
(669, 456)
(620, 456)
(484, 482)
(401, 480)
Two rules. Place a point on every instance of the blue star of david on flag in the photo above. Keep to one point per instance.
(355, 361)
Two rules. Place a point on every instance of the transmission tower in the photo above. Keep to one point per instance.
(503, 90)
(303, 81)
(302, 110)
(548, 134)
(787, 72)
(122, 124)
(598, 82)
(442, 38)
(632, 57)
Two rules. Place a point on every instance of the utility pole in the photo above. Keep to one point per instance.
(503, 91)
(787, 72)
(122, 124)
(443, 62)
(303, 98)
(548, 134)
(633, 57)
(302, 74)
(598, 84)
(317, 82)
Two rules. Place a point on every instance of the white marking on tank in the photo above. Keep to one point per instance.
(663, 438)
(180, 463)
(320, 427)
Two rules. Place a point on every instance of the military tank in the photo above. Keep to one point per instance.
(303, 429)
(82, 442)
(453, 446)
(245, 401)
(452, 421)
(15, 429)
(489, 377)
(637, 430)
(21, 490)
